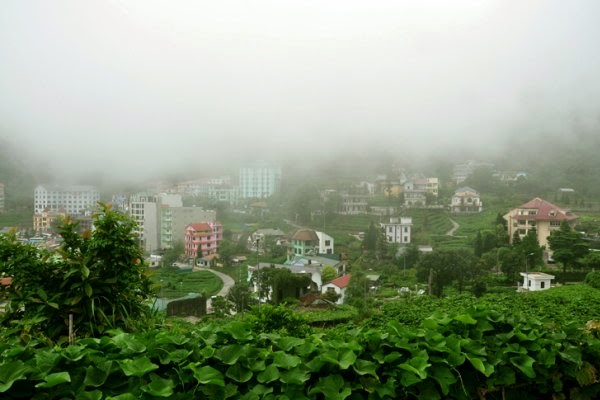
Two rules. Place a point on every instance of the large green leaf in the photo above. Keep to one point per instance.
(270, 374)
(332, 387)
(525, 364)
(128, 343)
(295, 376)
(54, 379)
(158, 386)
(137, 367)
(443, 376)
(207, 375)
(93, 395)
(481, 365)
(417, 364)
(96, 375)
(286, 343)
(239, 373)
(284, 360)
(229, 354)
(11, 372)
(364, 367)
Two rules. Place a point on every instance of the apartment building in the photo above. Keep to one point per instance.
(202, 238)
(259, 180)
(73, 200)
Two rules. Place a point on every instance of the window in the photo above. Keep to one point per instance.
(405, 229)
(529, 283)
(405, 239)
(542, 284)
(328, 243)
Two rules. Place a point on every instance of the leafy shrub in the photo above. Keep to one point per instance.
(268, 318)
(97, 277)
(593, 279)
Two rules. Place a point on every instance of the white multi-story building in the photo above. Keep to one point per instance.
(398, 230)
(73, 200)
(143, 208)
(259, 180)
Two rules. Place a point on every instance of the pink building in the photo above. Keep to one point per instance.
(202, 239)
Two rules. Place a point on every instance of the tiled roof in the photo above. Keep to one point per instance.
(200, 227)
(342, 281)
(7, 281)
(546, 211)
(306, 235)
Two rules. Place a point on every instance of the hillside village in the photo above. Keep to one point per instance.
(244, 221)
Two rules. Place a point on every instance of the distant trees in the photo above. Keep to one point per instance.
(568, 246)
(444, 267)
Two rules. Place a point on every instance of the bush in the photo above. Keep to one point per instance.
(593, 279)
(98, 278)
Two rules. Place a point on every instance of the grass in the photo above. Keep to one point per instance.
(174, 283)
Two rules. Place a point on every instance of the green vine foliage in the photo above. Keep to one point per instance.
(98, 277)
(478, 353)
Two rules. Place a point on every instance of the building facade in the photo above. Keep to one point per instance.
(143, 208)
(259, 180)
(310, 242)
(73, 200)
(540, 215)
(44, 221)
(465, 201)
(202, 239)
(398, 230)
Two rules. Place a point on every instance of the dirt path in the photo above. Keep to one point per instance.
(455, 226)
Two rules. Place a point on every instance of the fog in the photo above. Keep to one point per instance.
(139, 88)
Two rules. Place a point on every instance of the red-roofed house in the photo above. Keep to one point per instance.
(540, 215)
(202, 239)
(338, 286)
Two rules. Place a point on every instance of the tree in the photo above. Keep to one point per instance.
(328, 274)
(567, 245)
(98, 277)
(446, 266)
(241, 296)
(226, 252)
(511, 262)
(370, 240)
(172, 255)
(530, 249)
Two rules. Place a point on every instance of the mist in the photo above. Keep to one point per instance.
(127, 90)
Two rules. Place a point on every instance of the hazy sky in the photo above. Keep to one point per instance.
(137, 87)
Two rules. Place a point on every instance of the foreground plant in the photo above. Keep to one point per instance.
(97, 278)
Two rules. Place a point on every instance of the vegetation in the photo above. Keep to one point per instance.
(478, 352)
(174, 283)
(98, 278)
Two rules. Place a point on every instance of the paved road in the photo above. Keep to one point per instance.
(228, 283)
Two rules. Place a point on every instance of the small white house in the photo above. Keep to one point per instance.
(534, 281)
(338, 286)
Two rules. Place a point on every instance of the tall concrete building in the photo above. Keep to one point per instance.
(259, 180)
(162, 219)
(143, 208)
(73, 200)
